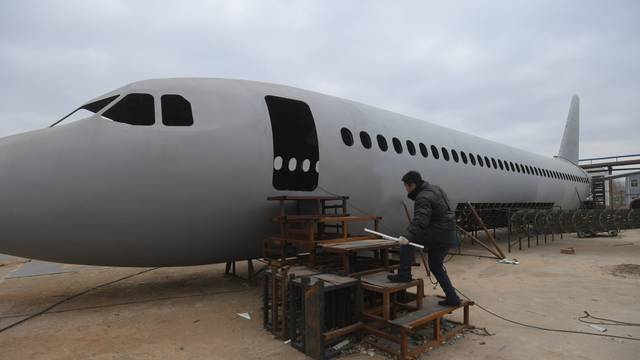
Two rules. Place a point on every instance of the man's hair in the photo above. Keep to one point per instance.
(412, 177)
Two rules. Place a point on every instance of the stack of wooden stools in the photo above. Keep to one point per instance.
(324, 283)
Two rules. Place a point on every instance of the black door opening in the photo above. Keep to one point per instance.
(295, 144)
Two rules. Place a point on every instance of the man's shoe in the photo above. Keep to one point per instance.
(399, 278)
(448, 302)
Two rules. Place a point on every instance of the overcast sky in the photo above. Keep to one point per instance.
(503, 70)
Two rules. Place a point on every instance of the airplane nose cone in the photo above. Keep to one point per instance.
(16, 179)
(28, 193)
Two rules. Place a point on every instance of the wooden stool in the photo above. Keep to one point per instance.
(378, 283)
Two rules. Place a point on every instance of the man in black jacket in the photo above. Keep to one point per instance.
(433, 226)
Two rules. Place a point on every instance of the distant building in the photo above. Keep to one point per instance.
(632, 188)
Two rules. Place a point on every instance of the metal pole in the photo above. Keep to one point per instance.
(509, 230)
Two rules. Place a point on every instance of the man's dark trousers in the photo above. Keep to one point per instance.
(435, 258)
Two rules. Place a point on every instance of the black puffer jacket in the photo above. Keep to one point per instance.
(433, 223)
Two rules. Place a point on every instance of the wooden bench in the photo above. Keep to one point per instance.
(403, 327)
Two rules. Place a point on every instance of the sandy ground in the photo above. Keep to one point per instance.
(190, 313)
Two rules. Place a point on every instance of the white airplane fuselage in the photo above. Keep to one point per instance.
(97, 191)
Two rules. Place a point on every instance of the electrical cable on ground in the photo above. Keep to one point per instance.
(604, 321)
(71, 298)
(545, 328)
(144, 301)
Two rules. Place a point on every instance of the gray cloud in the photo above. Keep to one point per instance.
(501, 70)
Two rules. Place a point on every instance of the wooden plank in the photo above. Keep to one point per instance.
(350, 218)
(404, 345)
(301, 271)
(303, 217)
(475, 214)
(335, 279)
(479, 242)
(382, 334)
(380, 280)
(386, 305)
(348, 239)
(343, 331)
(295, 197)
(430, 311)
(313, 306)
(383, 268)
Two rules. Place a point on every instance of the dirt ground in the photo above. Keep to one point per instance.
(191, 313)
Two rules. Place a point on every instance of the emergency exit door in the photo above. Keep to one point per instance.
(295, 144)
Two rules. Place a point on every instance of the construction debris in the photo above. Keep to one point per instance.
(509, 261)
(245, 315)
(599, 328)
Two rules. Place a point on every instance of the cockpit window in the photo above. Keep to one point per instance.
(133, 109)
(85, 111)
(176, 111)
(96, 106)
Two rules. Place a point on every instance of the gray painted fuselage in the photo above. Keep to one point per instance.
(100, 192)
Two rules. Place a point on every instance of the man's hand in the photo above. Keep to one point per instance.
(403, 240)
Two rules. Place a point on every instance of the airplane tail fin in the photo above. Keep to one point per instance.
(570, 145)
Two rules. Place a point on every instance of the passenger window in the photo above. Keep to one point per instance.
(445, 153)
(487, 161)
(480, 162)
(347, 137)
(493, 162)
(365, 139)
(133, 109)
(423, 150)
(411, 148)
(513, 168)
(176, 111)
(472, 158)
(454, 154)
(397, 145)
(382, 143)
(463, 156)
(434, 152)
(500, 163)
